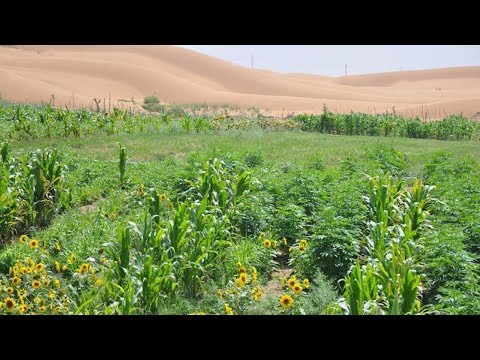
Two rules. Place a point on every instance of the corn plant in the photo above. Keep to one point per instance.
(8, 205)
(4, 152)
(47, 173)
(122, 256)
(361, 291)
(449, 128)
(43, 190)
(390, 281)
(182, 247)
(416, 205)
(218, 186)
(382, 201)
(122, 165)
(399, 282)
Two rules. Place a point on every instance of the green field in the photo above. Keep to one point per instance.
(177, 213)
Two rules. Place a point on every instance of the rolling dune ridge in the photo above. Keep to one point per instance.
(76, 75)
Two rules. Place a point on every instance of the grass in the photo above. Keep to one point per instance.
(298, 147)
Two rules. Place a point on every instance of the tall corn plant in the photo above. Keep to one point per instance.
(179, 249)
(221, 188)
(416, 204)
(122, 163)
(382, 198)
(389, 283)
(154, 206)
(121, 253)
(8, 205)
(4, 152)
(44, 189)
(399, 282)
(360, 293)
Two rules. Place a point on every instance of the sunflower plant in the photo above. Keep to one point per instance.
(33, 287)
(297, 251)
(275, 248)
(39, 284)
(240, 292)
(294, 290)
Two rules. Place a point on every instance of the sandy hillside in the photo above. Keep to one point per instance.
(75, 75)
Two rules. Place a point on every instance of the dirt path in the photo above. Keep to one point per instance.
(274, 285)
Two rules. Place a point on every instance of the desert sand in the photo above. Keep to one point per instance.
(76, 74)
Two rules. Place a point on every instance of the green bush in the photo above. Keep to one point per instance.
(321, 294)
(151, 100)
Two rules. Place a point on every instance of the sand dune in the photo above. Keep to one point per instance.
(75, 75)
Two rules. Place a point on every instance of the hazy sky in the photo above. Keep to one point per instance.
(331, 59)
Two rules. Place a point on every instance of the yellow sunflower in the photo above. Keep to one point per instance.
(301, 248)
(9, 303)
(36, 284)
(267, 243)
(241, 280)
(40, 266)
(257, 293)
(42, 308)
(57, 266)
(306, 283)
(163, 197)
(83, 268)
(219, 293)
(242, 270)
(34, 243)
(23, 308)
(228, 309)
(284, 240)
(291, 282)
(23, 239)
(297, 288)
(71, 259)
(9, 290)
(16, 280)
(286, 301)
